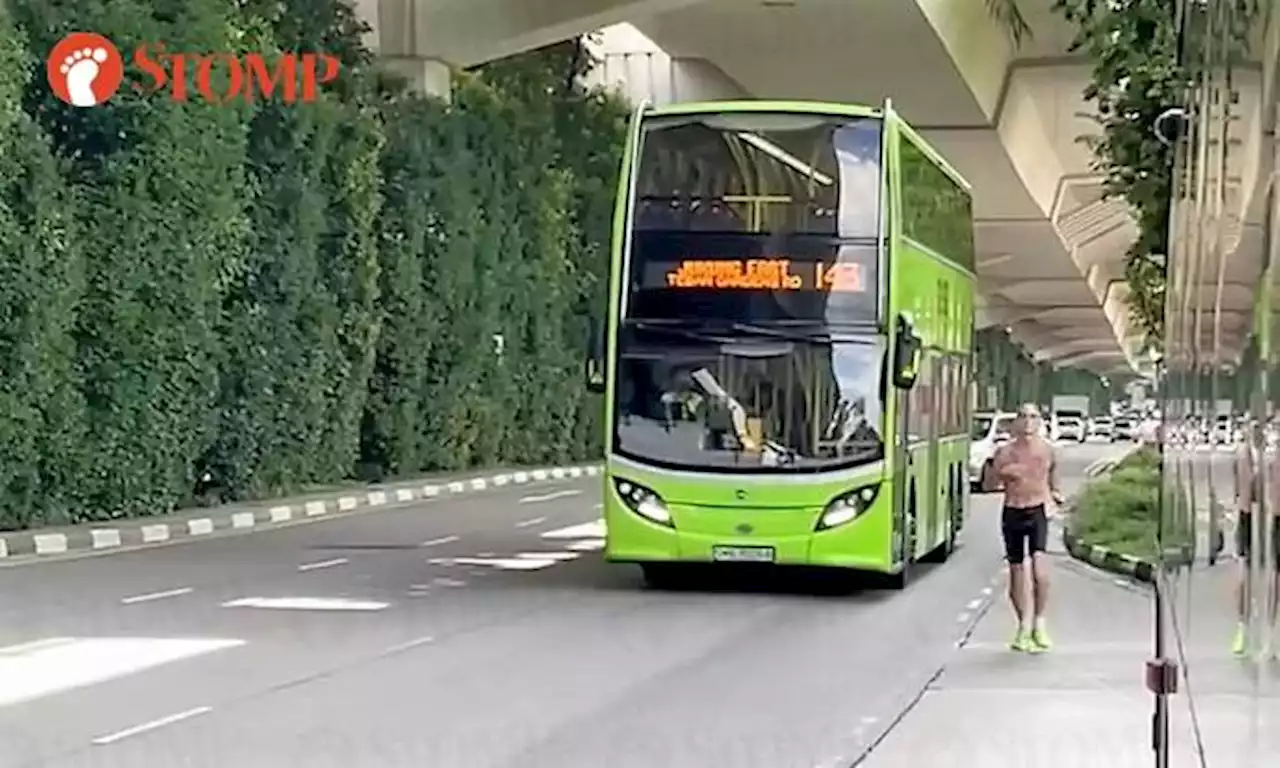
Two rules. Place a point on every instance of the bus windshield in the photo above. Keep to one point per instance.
(696, 398)
(750, 331)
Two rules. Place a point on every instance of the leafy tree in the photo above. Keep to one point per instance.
(1008, 13)
(161, 189)
(41, 412)
(278, 293)
(399, 422)
(301, 324)
(590, 127)
(1145, 58)
(1136, 75)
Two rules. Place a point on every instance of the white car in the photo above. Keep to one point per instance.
(1225, 431)
(1069, 428)
(1101, 428)
(989, 430)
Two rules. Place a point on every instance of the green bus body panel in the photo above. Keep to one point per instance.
(782, 511)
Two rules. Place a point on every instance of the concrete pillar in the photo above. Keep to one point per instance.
(634, 65)
(700, 80)
(428, 76)
(395, 31)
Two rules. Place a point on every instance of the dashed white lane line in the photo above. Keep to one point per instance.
(501, 563)
(557, 556)
(41, 669)
(103, 741)
(549, 496)
(974, 604)
(533, 521)
(156, 596)
(410, 644)
(307, 604)
(591, 530)
(439, 541)
(324, 564)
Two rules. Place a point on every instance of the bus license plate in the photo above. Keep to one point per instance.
(742, 554)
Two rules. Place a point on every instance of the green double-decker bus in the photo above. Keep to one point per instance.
(786, 358)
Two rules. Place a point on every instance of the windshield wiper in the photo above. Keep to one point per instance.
(697, 332)
(728, 331)
(781, 333)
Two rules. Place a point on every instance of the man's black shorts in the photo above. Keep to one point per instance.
(1244, 537)
(1026, 530)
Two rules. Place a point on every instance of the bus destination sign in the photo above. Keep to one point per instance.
(765, 274)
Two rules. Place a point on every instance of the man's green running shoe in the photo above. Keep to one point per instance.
(1238, 641)
(1040, 639)
(1021, 641)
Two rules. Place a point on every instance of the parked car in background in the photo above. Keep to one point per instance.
(1225, 430)
(1069, 428)
(1101, 428)
(1124, 428)
(990, 430)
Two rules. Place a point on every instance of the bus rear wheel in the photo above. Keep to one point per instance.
(943, 551)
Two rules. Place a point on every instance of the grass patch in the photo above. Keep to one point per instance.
(1145, 457)
(1121, 510)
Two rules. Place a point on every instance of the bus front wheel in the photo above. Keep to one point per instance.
(902, 579)
(658, 575)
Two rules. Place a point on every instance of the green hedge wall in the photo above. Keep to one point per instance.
(203, 303)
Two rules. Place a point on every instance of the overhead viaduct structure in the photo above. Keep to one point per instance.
(1010, 117)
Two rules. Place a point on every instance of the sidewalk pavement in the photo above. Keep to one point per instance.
(265, 515)
(1084, 703)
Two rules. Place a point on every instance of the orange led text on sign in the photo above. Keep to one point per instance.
(758, 274)
(764, 275)
(840, 278)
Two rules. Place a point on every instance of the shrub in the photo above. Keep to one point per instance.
(1121, 511)
(285, 296)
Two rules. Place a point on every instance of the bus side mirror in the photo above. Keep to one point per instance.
(906, 355)
(595, 357)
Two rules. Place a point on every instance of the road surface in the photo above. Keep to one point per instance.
(480, 632)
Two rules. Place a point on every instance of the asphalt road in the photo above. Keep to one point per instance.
(481, 632)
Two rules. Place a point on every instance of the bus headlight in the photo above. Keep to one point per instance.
(643, 501)
(848, 506)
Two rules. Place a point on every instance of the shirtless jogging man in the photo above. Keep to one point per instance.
(1249, 498)
(1027, 467)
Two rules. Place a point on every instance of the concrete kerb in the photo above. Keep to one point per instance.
(138, 532)
(1110, 560)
